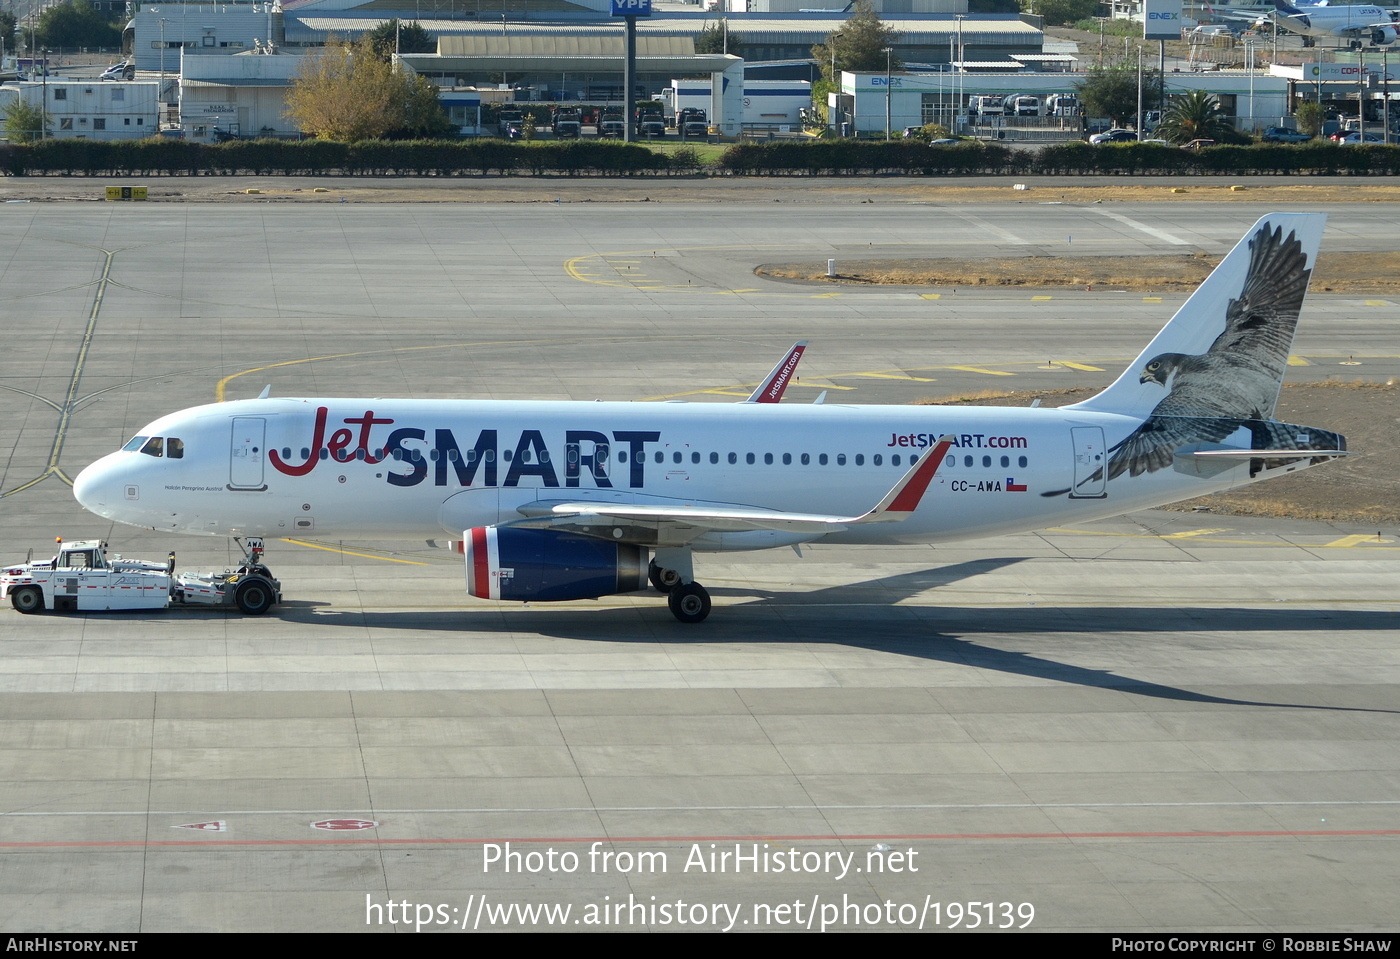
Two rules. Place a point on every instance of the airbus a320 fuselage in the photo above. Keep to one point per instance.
(569, 500)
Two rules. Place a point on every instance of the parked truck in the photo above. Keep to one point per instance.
(568, 123)
(691, 122)
(650, 122)
(612, 124)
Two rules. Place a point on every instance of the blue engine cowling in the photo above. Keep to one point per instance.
(542, 565)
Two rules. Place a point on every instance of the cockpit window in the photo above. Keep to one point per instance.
(135, 443)
(154, 446)
(175, 448)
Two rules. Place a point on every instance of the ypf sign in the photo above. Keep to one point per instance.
(631, 8)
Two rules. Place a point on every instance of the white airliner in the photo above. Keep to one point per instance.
(1356, 23)
(574, 500)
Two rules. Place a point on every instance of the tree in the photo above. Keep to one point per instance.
(1195, 115)
(7, 31)
(1061, 13)
(716, 38)
(349, 93)
(391, 36)
(1310, 116)
(1112, 91)
(76, 24)
(858, 45)
(423, 116)
(24, 122)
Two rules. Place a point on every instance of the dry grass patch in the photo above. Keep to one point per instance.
(1336, 272)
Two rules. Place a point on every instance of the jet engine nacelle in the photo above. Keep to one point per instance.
(542, 565)
(1381, 36)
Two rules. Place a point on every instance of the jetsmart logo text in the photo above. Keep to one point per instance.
(586, 454)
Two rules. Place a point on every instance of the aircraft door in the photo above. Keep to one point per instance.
(247, 452)
(1090, 463)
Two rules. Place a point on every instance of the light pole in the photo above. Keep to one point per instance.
(161, 92)
(888, 93)
(1361, 98)
(833, 114)
(1249, 45)
(44, 99)
(962, 69)
(1385, 89)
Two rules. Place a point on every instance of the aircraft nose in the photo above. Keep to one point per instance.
(97, 488)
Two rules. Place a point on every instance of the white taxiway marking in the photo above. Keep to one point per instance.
(1149, 230)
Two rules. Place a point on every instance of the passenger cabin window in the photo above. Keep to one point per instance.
(153, 446)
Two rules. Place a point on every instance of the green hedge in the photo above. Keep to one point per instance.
(486, 157)
(316, 157)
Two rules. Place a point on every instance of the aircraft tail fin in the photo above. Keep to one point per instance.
(1225, 351)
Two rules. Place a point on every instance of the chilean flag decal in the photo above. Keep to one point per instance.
(1013, 487)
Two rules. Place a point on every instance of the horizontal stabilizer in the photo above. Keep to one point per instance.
(1264, 454)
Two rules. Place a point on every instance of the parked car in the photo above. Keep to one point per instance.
(1114, 136)
(1356, 139)
(126, 70)
(1284, 135)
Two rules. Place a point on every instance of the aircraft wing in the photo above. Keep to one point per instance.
(690, 520)
(1357, 31)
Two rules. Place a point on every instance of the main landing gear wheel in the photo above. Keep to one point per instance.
(689, 603)
(30, 599)
(254, 598)
(662, 578)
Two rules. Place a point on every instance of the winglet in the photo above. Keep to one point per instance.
(904, 498)
(772, 387)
